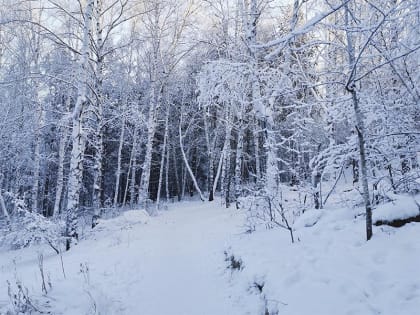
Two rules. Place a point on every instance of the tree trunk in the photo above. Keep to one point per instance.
(194, 180)
(118, 173)
(97, 168)
(132, 169)
(167, 173)
(39, 125)
(37, 157)
(3, 206)
(151, 130)
(99, 146)
(226, 163)
(162, 160)
(77, 136)
(363, 162)
(272, 171)
(238, 164)
(210, 153)
(257, 153)
(2, 203)
(61, 155)
(219, 171)
(132, 175)
(360, 127)
(178, 183)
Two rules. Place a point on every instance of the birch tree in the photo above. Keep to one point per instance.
(77, 135)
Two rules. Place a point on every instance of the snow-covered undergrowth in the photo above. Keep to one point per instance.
(331, 269)
(26, 229)
(197, 258)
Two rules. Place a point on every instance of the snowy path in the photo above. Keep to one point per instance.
(173, 265)
(180, 261)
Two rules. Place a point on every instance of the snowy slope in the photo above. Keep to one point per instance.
(174, 264)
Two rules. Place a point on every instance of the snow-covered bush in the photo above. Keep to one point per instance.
(28, 228)
(20, 301)
(269, 211)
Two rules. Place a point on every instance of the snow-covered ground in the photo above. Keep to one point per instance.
(170, 264)
(174, 264)
(332, 269)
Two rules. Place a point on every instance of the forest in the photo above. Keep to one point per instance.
(121, 103)
(112, 105)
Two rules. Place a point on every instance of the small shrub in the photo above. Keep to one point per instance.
(269, 211)
(20, 301)
(233, 262)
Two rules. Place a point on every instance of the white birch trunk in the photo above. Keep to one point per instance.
(360, 127)
(131, 174)
(98, 141)
(271, 176)
(97, 167)
(127, 182)
(190, 172)
(133, 180)
(39, 125)
(39, 113)
(162, 160)
(77, 136)
(2, 203)
(118, 172)
(155, 99)
(238, 164)
(61, 155)
(3, 206)
(218, 172)
(255, 85)
(210, 154)
(167, 172)
(256, 136)
(184, 181)
(60, 172)
(37, 154)
(226, 160)
(151, 130)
